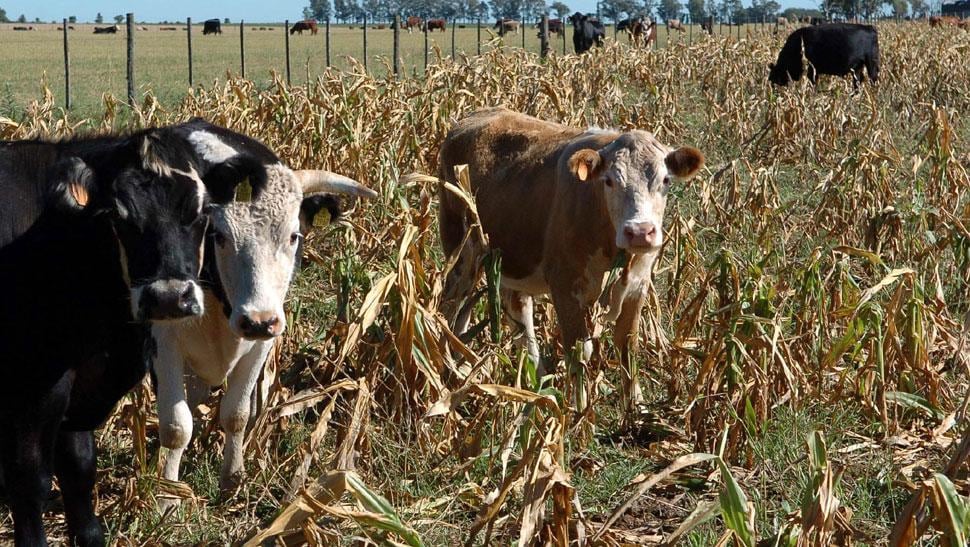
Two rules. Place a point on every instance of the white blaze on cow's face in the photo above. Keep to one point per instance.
(255, 250)
(635, 171)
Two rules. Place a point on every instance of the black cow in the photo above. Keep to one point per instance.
(211, 26)
(836, 48)
(99, 237)
(628, 24)
(587, 31)
(113, 29)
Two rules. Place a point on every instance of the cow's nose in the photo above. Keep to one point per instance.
(259, 325)
(169, 299)
(643, 234)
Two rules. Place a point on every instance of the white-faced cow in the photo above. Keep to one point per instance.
(99, 239)
(252, 254)
(559, 204)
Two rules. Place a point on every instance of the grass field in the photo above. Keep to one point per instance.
(806, 324)
(98, 62)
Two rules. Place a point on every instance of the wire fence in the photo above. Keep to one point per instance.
(443, 38)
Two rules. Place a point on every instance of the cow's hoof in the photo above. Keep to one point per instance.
(228, 484)
(167, 505)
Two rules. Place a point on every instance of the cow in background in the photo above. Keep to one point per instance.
(300, 26)
(113, 29)
(412, 23)
(211, 26)
(434, 24)
(595, 198)
(587, 32)
(675, 24)
(505, 26)
(251, 257)
(836, 48)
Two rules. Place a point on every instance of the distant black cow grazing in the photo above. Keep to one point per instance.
(435, 24)
(586, 32)
(837, 49)
(300, 26)
(113, 29)
(211, 26)
(99, 237)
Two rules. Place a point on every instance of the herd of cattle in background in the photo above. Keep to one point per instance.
(183, 240)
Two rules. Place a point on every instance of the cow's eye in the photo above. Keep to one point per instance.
(220, 238)
(294, 238)
(666, 181)
(609, 181)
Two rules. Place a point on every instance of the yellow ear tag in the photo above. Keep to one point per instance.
(322, 218)
(79, 193)
(244, 192)
(582, 171)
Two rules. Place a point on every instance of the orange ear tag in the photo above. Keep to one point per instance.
(79, 193)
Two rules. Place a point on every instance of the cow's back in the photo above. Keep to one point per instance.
(836, 47)
(512, 161)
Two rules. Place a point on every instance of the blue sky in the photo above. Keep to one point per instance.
(258, 11)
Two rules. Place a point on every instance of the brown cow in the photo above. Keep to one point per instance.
(504, 26)
(435, 24)
(300, 26)
(675, 24)
(555, 27)
(651, 33)
(412, 23)
(559, 204)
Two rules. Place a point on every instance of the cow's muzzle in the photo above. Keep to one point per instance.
(258, 325)
(166, 300)
(640, 237)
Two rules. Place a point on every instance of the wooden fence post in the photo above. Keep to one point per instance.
(522, 27)
(188, 33)
(479, 34)
(454, 25)
(67, 72)
(365, 43)
(328, 41)
(397, 44)
(286, 37)
(425, 28)
(130, 17)
(242, 48)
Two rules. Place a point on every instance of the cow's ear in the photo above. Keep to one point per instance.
(585, 164)
(318, 210)
(684, 162)
(76, 186)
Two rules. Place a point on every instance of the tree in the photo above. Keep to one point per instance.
(119, 19)
(22, 18)
(345, 10)
(226, 21)
(696, 10)
(99, 18)
(72, 19)
(3, 16)
(318, 9)
(509, 9)
(561, 10)
(620, 9)
(920, 8)
(669, 9)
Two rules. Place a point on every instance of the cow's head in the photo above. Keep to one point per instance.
(257, 242)
(153, 197)
(633, 174)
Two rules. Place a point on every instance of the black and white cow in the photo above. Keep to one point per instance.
(250, 261)
(99, 239)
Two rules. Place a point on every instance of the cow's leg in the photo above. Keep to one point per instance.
(234, 413)
(174, 414)
(460, 283)
(76, 466)
(519, 307)
(625, 337)
(872, 67)
(26, 452)
(573, 319)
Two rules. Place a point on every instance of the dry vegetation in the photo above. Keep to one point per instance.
(806, 324)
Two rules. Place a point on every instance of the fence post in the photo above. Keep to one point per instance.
(365, 43)
(242, 49)
(479, 34)
(544, 37)
(67, 72)
(397, 44)
(563, 34)
(424, 27)
(328, 41)
(188, 33)
(130, 17)
(286, 37)
(690, 33)
(522, 28)
(454, 25)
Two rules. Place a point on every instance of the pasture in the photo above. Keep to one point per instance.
(805, 325)
(161, 56)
